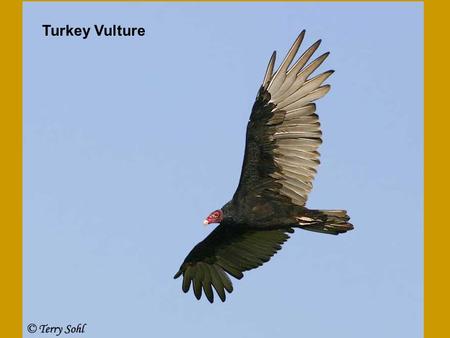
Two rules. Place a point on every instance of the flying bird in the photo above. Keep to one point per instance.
(280, 162)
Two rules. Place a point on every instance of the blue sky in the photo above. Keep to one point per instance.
(130, 142)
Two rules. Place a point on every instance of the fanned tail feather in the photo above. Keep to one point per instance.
(332, 222)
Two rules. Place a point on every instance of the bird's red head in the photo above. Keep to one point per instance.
(214, 217)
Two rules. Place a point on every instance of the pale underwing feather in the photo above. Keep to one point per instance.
(310, 97)
(305, 88)
(269, 70)
(291, 75)
(280, 75)
(307, 110)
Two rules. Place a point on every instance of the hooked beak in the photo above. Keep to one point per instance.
(205, 222)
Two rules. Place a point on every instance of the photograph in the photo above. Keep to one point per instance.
(226, 169)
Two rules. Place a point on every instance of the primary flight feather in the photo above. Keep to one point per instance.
(280, 162)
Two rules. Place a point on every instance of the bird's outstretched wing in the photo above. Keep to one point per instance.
(228, 250)
(283, 132)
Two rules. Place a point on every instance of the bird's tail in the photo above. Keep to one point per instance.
(332, 222)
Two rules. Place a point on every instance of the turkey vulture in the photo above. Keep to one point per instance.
(280, 161)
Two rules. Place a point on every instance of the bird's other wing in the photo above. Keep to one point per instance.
(283, 132)
(228, 250)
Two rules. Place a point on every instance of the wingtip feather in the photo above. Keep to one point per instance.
(269, 70)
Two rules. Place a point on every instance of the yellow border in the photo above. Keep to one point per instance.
(222, 1)
(436, 172)
(436, 123)
(11, 170)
